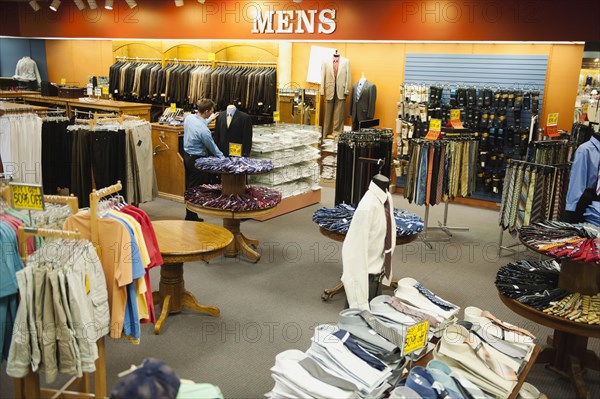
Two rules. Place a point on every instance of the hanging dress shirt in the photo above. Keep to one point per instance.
(363, 249)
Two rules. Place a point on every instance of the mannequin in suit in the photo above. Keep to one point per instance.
(234, 127)
(362, 101)
(335, 86)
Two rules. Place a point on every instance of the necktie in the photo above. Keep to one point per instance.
(336, 66)
(506, 326)
(421, 184)
(506, 194)
(440, 180)
(512, 218)
(386, 332)
(494, 364)
(359, 90)
(229, 119)
(556, 195)
(522, 199)
(464, 171)
(598, 182)
(429, 173)
(356, 349)
(434, 299)
(538, 194)
(387, 250)
(530, 197)
(421, 316)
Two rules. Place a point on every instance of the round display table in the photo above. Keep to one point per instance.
(182, 241)
(566, 351)
(234, 185)
(328, 293)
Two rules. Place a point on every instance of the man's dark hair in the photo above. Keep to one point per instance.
(205, 104)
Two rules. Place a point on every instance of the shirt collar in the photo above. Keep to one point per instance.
(378, 192)
(595, 142)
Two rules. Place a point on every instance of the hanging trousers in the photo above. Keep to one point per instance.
(334, 116)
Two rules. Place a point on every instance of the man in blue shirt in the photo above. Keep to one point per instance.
(582, 199)
(198, 142)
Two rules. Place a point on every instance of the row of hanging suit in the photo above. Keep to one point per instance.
(440, 170)
(250, 88)
(532, 193)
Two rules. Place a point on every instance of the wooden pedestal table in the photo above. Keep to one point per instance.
(235, 185)
(328, 293)
(567, 352)
(184, 241)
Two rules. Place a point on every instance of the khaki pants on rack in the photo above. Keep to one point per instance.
(334, 116)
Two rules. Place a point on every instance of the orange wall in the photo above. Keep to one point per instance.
(383, 65)
(76, 60)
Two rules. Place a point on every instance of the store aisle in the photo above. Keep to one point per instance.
(273, 305)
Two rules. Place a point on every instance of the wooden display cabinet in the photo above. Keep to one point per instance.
(168, 162)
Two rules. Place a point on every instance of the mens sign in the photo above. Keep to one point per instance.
(298, 21)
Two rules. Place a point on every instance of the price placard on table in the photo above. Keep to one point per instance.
(416, 337)
(235, 150)
(276, 116)
(27, 196)
(63, 81)
(105, 90)
(552, 119)
(173, 107)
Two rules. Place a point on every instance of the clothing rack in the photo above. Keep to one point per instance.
(29, 386)
(548, 190)
(95, 197)
(196, 61)
(133, 59)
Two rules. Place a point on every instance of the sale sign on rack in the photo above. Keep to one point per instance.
(552, 125)
(455, 119)
(435, 129)
(27, 196)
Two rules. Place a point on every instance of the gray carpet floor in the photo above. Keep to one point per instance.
(275, 304)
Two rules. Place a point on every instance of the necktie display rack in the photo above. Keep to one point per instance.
(525, 200)
(454, 158)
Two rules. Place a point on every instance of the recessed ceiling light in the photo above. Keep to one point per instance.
(54, 5)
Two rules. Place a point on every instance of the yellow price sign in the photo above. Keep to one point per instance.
(455, 115)
(276, 116)
(212, 56)
(416, 337)
(173, 107)
(63, 81)
(235, 150)
(27, 196)
(105, 90)
(435, 125)
(552, 119)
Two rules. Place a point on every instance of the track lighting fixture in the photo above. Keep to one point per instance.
(54, 5)
(131, 3)
(80, 4)
(34, 4)
(92, 4)
(201, 1)
(108, 4)
(179, 3)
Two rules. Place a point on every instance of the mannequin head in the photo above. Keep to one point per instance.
(381, 181)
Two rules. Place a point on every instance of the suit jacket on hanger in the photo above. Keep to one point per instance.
(362, 108)
(331, 86)
(238, 132)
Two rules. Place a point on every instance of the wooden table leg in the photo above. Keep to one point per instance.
(240, 242)
(173, 296)
(330, 292)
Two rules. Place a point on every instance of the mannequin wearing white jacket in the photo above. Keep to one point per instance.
(27, 71)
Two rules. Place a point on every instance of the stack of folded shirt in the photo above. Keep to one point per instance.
(338, 220)
(484, 350)
(255, 198)
(328, 172)
(335, 366)
(234, 165)
(414, 296)
(563, 240)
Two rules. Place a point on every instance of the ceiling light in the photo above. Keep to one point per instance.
(201, 1)
(92, 4)
(597, 59)
(108, 4)
(131, 3)
(34, 4)
(79, 3)
(54, 5)
(179, 3)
